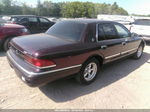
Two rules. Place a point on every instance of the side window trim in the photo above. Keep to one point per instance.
(102, 30)
(97, 27)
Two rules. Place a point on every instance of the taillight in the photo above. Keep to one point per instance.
(40, 63)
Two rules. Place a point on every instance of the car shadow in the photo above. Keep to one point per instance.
(2, 54)
(66, 90)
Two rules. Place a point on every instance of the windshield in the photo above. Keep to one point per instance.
(145, 22)
(69, 30)
(14, 19)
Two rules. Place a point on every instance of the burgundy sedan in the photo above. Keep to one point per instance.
(70, 47)
(9, 31)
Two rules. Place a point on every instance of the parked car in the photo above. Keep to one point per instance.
(9, 31)
(141, 27)
(34, 24)
(72, 47)
(6, 18)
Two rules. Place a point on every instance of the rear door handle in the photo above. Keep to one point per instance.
(123, 43)
(104, 46)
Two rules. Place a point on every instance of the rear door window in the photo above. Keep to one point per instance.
(43, 20)
(23, 20)
(110, 32)
(33, 19)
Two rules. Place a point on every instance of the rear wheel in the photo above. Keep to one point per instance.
(89, 71)
(6, 44)
(139, 52)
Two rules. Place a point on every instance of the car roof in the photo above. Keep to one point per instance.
(22, 16)
(90, 21)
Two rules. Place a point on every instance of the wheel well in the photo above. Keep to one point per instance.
(11, 36)
(142, 43)
(3, 41)
(99, 58)
(8, 37)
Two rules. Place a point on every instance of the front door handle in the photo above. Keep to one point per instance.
(123, 43)
(103, 46)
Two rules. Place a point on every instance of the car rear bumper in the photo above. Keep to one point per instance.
(35, 79)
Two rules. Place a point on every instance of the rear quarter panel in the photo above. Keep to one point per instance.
(75, 60)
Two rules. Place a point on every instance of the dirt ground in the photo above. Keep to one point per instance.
(123, 84)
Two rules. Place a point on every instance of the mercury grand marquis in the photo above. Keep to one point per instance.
(70, 47)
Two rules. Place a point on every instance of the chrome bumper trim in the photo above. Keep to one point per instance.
(40, 73)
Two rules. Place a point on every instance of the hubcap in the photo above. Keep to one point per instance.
(90, 71)
(139, 52)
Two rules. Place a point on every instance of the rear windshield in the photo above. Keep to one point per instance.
(67, 30)
(142, 22)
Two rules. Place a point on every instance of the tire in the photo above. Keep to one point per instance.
(6, 44)
(139, 52)
(87, 75)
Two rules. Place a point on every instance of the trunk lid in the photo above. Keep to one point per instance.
(39, 45)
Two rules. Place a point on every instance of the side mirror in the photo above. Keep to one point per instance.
(131, 23)
(135, 34)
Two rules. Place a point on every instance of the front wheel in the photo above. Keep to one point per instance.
(88, 72)
(139, 52)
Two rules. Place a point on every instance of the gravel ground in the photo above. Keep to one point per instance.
(123, 84)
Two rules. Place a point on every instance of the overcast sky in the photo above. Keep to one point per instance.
(132, 6)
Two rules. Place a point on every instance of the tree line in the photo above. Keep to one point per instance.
(62, 9)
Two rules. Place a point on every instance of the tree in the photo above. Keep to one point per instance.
(113, 9)
(61, 9)
(7, 6)
(78, 9)
(39, 8)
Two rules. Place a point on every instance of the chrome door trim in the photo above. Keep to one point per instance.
(112, 56)
(129, 51)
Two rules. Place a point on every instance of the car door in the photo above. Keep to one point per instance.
(45, 24)
(109, 42)
(34, 25)
(129, 44)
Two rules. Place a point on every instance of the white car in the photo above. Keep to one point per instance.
(141, 27)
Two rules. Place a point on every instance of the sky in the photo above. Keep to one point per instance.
(141, 7)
